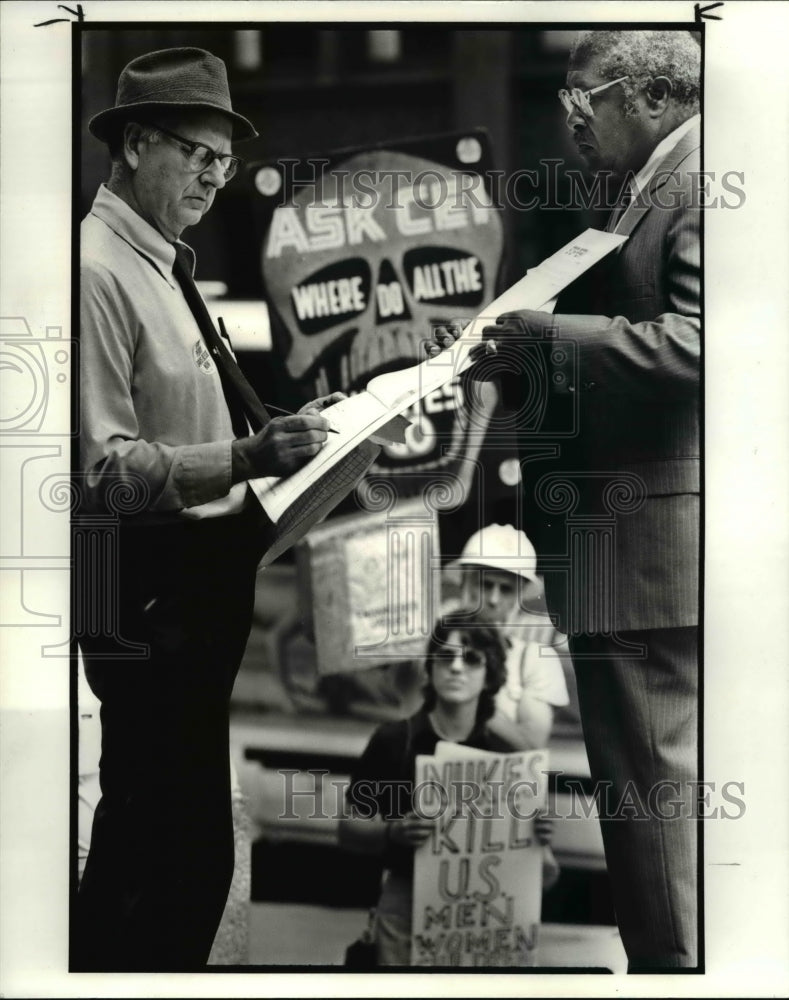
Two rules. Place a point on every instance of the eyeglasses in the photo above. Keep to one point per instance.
(578, 100)
(201, 156)
(471, 657)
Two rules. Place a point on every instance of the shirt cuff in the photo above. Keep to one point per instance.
(203, 472)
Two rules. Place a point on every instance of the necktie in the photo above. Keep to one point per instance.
(242, 401)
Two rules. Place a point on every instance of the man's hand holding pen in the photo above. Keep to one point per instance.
(322, 402)
(285, 444)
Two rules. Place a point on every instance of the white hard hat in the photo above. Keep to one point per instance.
(500, 546)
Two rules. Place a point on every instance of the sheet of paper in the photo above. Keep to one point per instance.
(399, 390)
(360, 416)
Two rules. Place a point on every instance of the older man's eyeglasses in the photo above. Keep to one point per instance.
(578, 100)
(200, 157)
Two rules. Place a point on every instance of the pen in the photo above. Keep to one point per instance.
(277, 409)
(288, 413)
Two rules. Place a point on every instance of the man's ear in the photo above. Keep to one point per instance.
(132, 136)
(658, 94)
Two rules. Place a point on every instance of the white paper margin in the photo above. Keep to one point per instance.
(747, 888)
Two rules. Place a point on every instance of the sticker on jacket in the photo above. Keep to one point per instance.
(202, 358)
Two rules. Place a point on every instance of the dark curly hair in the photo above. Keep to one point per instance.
(477, 636)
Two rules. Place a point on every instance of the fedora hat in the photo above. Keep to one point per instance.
(502, 547)
(171, 78)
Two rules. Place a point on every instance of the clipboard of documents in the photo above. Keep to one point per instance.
(294, 503)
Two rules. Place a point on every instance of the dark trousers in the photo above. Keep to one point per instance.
(161, 855)
(640, 722)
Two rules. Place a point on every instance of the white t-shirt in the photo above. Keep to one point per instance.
(534, 667)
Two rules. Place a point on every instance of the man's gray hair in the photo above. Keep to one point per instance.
(115, 142)
(119, 169)
(644, 55)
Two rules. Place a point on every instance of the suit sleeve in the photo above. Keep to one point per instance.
(113, 455)
(652, 358)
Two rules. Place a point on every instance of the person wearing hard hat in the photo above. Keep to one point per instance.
(500, 585)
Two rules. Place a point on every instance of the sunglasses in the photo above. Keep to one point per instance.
(471, 657)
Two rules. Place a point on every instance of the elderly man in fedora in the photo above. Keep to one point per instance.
(170, 432)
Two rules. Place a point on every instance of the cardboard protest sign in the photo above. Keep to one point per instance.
(369, 583)
(478, 878)
(364, 252)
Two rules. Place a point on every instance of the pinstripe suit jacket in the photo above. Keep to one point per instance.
(634, 328)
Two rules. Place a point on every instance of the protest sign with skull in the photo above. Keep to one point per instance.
(363, 260)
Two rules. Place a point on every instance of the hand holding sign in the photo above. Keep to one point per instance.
(543, 829)
(410, 831)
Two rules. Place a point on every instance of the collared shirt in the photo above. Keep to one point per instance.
(153, 413)
(663, 148)
(643, 176)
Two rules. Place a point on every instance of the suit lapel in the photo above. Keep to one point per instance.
(636, 211)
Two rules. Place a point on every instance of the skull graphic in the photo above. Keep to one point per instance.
(363, 264)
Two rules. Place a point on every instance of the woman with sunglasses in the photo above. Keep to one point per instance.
(465, 667)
